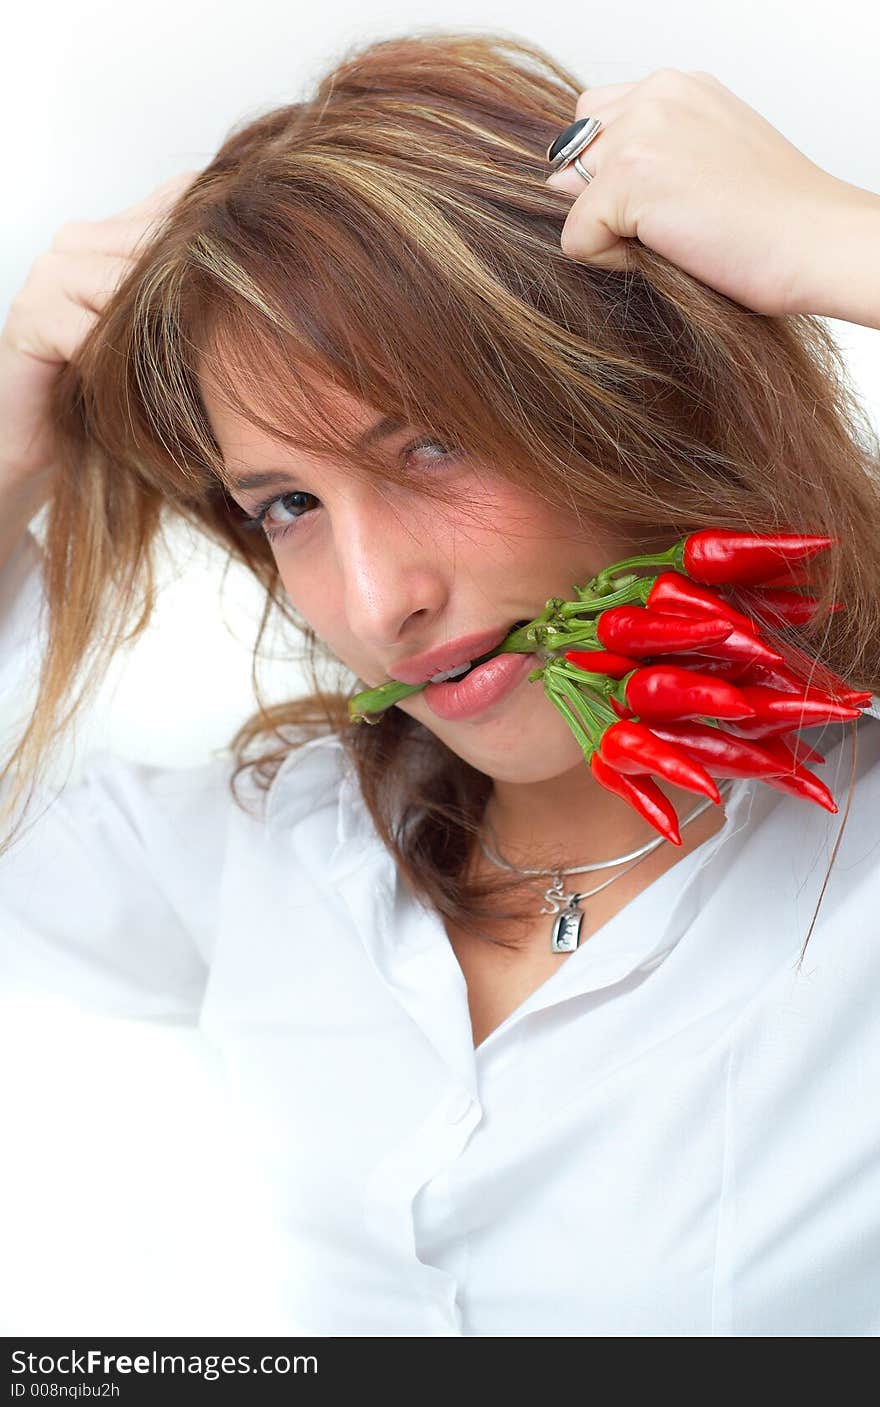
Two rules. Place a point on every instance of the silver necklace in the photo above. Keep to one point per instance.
(566, 930)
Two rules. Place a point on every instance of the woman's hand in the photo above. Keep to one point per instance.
(60, 300)
(697, 175)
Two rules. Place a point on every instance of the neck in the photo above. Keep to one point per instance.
(571, 820)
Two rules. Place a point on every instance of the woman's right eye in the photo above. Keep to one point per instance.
(272, 528)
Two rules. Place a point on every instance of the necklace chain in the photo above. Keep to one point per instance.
(566, 928)
(599, 864)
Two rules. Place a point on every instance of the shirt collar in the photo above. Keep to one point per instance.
(320, 774)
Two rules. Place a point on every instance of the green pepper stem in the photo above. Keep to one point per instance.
(601, 581)
(618, 687)
(585, 743)
(378, 699)
(578, 719)
(635, 589)
(594, 687)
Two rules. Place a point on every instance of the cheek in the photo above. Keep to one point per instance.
(314, 603)
(520, 527)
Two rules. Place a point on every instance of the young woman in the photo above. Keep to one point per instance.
(378, 357)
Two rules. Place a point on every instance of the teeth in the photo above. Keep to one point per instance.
(450, 673)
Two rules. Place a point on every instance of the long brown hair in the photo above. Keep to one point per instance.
(392, 235)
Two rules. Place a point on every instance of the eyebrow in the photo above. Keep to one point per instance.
(382, 430)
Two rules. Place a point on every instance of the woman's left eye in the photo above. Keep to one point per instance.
(261, 519)
(446, 451)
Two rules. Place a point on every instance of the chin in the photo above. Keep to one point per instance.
(518, 750)
(530, 770)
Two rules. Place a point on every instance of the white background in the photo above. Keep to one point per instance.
(118, 1204)
(103, 101)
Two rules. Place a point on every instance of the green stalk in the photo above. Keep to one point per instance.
(635, 590)
(376, 700)
(583, 688)
(601, 582)
(587, 717)
(585, 742)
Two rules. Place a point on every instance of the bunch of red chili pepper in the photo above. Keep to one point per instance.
(646, 668)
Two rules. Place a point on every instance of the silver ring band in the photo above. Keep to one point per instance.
(582, 170)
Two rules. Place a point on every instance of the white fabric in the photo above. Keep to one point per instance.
(677, 1134)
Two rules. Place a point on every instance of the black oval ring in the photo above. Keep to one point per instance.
(566, 146)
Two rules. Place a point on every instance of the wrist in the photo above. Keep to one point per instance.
(839, 276)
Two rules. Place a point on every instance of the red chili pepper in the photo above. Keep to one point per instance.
(802, 711)
(801, 749)
(633, 748)
(811, 672)
(858, 699)
(643, 795)
(761, 728)
(777, 676)
(741, 645)
(851, 699)
(733, 670)
(716, 555)
(602, 662)
(805, 785)
(677, 595)
(780, 748)
(663, 691)
(771, 762)
(635, 630)
(773, 604)
(796, 574)
(723, 754)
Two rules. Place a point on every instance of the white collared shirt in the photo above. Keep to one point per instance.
(676, 1134)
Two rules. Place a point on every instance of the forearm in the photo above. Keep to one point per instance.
(840, 273)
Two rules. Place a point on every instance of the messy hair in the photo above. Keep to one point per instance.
(392, 236)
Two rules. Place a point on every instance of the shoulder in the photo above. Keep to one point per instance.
(797, 898)
(805, 1047)
(140, 799)
(825, 869)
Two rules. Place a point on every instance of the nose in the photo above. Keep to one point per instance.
(394, 571)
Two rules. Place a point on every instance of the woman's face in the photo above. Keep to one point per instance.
(383, 573)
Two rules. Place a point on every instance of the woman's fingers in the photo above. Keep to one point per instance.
(71, 322)
(567, 178)
(66, 289)
(597, 226)
(162, 195)
(696, 174)
(123, 234)
(593, 101)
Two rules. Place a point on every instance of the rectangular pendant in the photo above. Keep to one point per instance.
(566, 932)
